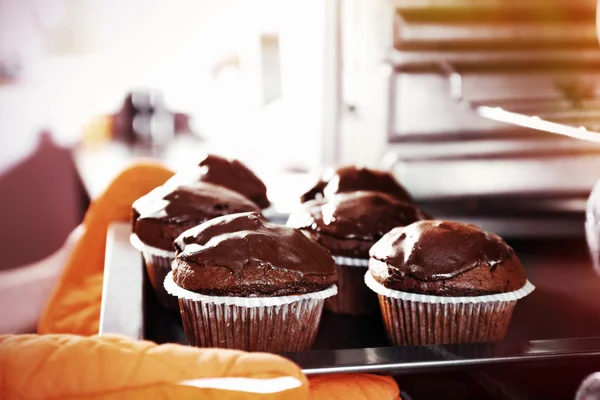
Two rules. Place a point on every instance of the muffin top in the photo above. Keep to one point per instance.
(245, 255)
(348, 224)
(229, 173)
(352, 179)
(445, 259)
(163, 214)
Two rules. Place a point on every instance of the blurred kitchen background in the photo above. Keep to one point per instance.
(290, 87)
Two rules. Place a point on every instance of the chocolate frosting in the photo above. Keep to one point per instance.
(351, 179)
(245, 255)
(432, 251)
(229, 173)
(360, 216)
(167, 211)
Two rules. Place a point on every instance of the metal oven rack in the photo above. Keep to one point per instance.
(576, 114)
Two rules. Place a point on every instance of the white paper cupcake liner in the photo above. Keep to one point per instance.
(412, 319)
(175, 290)
(351, 262)
(152, 251)
(158, 265)
(421, 298)
(277, 324)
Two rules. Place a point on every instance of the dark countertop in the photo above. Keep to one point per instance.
(566, 302)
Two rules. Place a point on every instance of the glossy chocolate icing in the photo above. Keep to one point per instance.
(434, 251)
(438, 250)
(229, 173)
(361, 216)
(167, 211)
(351, 179)
(245, 255)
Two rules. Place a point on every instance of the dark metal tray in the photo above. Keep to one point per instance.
(550, 331)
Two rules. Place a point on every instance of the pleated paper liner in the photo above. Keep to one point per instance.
(158, 265)
(415, 319)
(354, 297)
(269, 324)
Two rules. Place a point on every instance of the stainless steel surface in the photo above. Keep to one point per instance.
(446, 138)
(517, 6)
(531, 42)
(402, 360)
(553, 111)
(120, 271)
(414, 61)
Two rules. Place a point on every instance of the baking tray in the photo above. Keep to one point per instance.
(349, 344)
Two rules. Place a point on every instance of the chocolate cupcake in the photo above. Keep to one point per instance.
(228, 173)
(352, 179)
(348, 224)
(249, 284)
(162, 215)
(445, 282)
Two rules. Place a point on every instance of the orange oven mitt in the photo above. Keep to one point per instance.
(353, 387)
(113, 367)
(74, 306)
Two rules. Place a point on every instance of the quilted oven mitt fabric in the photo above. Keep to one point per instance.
(74, 306)
(354, 387)
(44, 367)
(113, 367)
